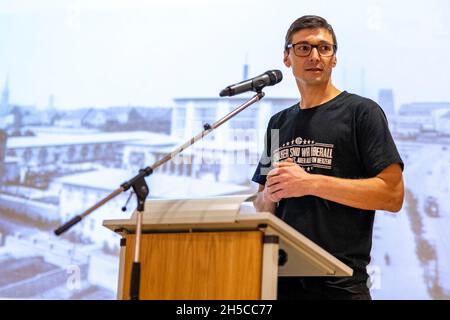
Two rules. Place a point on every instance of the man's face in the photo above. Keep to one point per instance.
(313, 69)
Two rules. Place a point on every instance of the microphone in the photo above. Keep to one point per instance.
(268, 78)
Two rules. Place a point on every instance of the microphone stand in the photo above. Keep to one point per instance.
(141, 189)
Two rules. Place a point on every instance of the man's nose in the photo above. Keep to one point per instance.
(314, 55)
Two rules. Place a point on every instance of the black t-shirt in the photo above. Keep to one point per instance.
(346, 137)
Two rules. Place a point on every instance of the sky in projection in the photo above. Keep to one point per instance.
(107, 53)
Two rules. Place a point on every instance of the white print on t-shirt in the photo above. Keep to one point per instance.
(307, 153)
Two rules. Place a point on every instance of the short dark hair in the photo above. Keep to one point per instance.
(308, 22)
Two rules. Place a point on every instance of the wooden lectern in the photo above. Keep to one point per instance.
(216, 248)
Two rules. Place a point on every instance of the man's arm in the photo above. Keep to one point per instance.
(265, 202)
(383, 192)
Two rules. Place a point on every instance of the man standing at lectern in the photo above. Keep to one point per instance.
(333, 164)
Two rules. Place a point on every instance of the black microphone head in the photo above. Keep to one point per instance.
(275, 76)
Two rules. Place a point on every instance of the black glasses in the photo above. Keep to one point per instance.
(303, 49)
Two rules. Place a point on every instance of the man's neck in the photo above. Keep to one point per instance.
(313, 96)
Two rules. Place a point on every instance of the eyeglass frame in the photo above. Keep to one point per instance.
(292, 45)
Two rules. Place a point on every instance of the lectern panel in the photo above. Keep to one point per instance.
(198, 265)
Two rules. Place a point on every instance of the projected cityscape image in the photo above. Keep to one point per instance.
(92, 92)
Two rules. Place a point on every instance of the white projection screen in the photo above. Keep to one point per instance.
(92, 91)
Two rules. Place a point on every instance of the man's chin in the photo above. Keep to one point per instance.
(315, 81)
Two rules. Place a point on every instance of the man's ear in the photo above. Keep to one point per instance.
(334, 61)
(286, 60)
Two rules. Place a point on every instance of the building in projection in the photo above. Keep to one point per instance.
(4, 116)
(237, 144)
(443, 124)
(422, 117)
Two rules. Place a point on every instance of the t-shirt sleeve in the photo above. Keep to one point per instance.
(265, 162)
(375, 143)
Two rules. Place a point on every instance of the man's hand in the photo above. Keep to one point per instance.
(286, 180)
